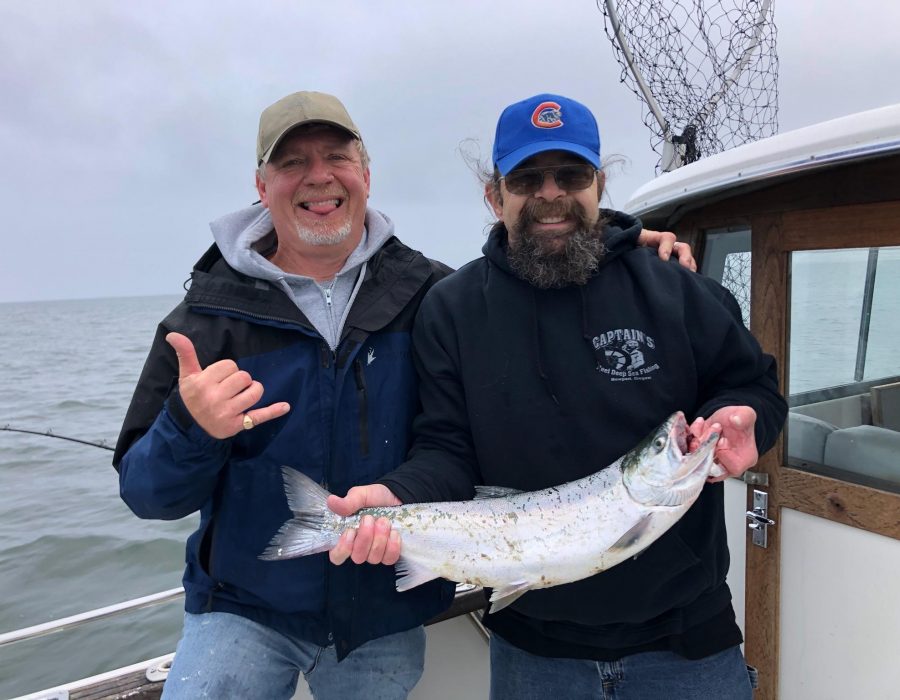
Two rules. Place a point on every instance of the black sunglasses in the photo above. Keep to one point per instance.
(570, 178)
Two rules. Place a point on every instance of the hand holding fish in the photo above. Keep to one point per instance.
(219, 397)
(736, 451)
(373, 541)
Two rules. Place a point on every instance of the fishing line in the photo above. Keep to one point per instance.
(49, 433)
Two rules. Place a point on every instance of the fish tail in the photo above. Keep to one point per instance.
(314, 527)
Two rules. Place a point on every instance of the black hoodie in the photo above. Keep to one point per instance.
(531, 388)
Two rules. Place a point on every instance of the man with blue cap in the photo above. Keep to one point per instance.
(550, 357)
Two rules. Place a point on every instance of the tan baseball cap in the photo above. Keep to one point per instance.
(296, 109)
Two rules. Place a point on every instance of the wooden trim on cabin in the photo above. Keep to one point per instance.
(872, 225)
(859, 506)
(768, 320)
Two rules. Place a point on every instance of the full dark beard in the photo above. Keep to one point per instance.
(536, 261)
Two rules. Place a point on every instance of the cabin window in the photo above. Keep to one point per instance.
(844, 365)
(726, 258)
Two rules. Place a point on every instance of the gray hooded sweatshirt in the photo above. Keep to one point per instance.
(242, 235)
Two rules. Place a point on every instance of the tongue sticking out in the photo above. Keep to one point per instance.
(325, 206)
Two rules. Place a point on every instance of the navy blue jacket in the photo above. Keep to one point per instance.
(349, 423)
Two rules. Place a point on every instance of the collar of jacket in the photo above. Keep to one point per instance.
(394, 275)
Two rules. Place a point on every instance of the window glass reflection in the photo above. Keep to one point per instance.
(844, 369)
(726, 258)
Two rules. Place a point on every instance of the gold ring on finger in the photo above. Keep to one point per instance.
(248, 422)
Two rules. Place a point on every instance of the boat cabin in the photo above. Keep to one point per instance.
(804, 229)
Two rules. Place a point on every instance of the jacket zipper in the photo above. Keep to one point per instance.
(363, 407)
(219, 586)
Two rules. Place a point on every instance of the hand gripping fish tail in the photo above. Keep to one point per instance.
(314, 528)
(514, 541)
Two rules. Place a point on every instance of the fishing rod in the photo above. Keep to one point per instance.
(50, 433)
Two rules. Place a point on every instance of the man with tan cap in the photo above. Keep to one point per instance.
(310, 297)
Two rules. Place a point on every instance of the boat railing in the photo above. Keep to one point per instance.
(469, 598)
(71, 621)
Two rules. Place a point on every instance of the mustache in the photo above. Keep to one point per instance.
(313, 194)
(535, 209)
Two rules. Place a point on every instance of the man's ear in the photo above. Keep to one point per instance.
(261, 189)
(494, 198)
(601, 184)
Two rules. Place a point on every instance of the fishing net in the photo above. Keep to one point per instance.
(736, 279)
(706, 71)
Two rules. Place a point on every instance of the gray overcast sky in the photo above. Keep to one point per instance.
(127, 127)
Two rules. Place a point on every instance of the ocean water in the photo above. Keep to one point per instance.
(67, 542)
(827, 289)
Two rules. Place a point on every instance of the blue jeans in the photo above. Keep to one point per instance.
(224, 656)
(518, 675)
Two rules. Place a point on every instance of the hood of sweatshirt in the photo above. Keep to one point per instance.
(246, 237)
(240, 235)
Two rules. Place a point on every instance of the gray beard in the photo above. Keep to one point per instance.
(545, 268)
(314, 237)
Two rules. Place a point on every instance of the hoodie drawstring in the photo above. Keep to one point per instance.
(585, 313)
(537, 347)
(599, 354)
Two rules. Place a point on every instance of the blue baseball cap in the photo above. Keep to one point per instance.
(541, 123)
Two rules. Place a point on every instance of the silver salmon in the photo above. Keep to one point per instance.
(513, 541)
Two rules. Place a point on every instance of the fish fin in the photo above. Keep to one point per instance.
(510, 593)
(483, 492)
(410, 574)
(312, 529)
(297, 538)
(303, 494)
(633, 535)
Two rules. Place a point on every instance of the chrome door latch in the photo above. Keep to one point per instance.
(759, 519)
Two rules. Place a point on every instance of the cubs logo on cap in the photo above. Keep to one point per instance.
(545, 122)
(547, 115)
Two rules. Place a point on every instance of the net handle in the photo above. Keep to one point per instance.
(629, 59)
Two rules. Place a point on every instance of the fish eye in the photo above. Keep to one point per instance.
(659, 443)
